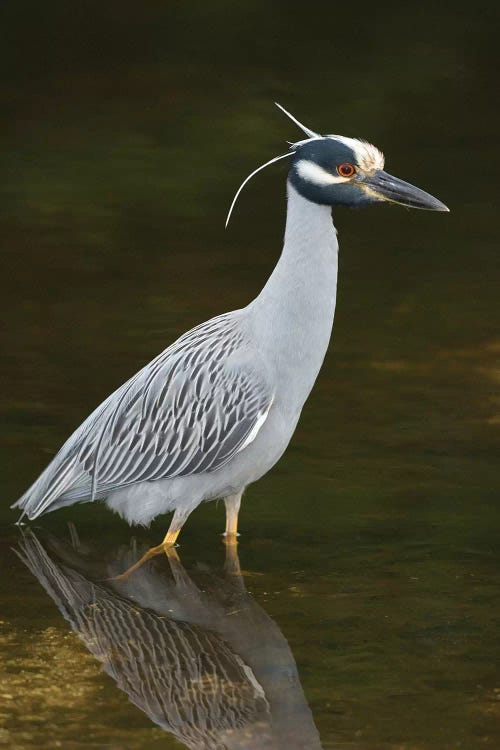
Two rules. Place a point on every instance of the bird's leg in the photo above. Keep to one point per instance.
(233, 503)
(178, 520)
(173, 532)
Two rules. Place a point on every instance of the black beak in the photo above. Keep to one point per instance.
(385, 187)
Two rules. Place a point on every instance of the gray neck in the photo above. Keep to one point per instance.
(294, 312)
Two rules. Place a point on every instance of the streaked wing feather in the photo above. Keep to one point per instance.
(189, 411)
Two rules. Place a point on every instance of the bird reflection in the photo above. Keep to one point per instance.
(194, 652)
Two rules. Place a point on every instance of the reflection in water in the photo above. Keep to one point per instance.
(202, 660)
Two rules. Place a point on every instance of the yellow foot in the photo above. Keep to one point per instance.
(166, 547)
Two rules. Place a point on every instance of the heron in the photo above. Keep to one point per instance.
(216, 410)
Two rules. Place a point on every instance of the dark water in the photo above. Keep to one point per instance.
(367, 616)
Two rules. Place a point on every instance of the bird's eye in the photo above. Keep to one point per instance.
(346, 170)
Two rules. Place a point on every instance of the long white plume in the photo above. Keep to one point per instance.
(310, 133)
(307, 131)
(262, 166)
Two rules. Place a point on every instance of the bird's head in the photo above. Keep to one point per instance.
(334, 170)
(339, 171)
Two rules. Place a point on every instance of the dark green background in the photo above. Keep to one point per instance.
(126, 128)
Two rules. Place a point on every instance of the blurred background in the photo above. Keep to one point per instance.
(125, 130)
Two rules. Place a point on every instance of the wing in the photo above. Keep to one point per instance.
(189, 411)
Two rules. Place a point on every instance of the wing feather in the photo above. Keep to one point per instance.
(197, 408)
(190, 410)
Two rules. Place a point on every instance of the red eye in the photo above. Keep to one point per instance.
(346, 170)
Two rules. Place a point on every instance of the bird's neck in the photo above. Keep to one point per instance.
(294, 312)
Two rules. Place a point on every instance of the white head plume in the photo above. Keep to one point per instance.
(307, 131)
(262, 166)
(310, 133)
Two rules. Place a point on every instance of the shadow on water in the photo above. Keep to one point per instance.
(194, 652)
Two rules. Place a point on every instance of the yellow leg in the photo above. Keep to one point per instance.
(173, 532)
(233, 503)
(170, 537)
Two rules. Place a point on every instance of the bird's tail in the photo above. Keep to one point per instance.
(47, 493)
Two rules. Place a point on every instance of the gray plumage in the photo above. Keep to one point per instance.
(188, 411)
(216, 410)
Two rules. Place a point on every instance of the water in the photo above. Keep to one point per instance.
(370, 553)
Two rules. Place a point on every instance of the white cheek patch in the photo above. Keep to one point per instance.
(312, 172)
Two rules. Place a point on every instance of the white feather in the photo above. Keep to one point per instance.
(315, 174)
(255, 429)
(271, 161)
(306, 130)
(368, 157)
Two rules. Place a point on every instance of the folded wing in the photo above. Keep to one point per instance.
(189, 411)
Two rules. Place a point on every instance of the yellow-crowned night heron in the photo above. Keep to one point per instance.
(216, 410)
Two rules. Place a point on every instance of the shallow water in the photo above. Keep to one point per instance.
(367, 614)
